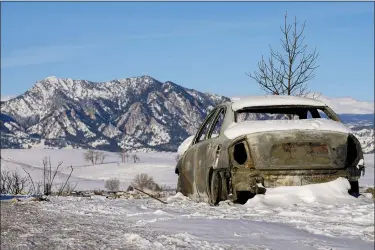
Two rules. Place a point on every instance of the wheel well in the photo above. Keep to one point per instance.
(239, 153)
(209, 178)
(352, 150)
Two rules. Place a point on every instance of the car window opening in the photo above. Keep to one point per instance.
(239, 153)
(218, 124)
(282, 113)
(205, 128)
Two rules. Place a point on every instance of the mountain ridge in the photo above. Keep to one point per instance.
(137, 113)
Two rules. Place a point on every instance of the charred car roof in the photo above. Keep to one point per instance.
(274, 100)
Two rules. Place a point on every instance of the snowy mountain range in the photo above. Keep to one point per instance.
(139, 113)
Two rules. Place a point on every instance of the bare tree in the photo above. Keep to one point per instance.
(135, 158)
(67, 188)
(18, 183)
(62, 188)
(4, 181)
(102, 158)
(38, 187)
(70, 187)
(90, 156)
(94, 157)
(127, 156)
(122, 154)
(48, 175)
(99, 157)
(32, 182)
(112, 184)
(12, 182)
(287, 72)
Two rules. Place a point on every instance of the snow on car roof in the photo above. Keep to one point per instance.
(273, 100)
(250, 127)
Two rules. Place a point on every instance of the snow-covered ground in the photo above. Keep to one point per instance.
(89, 177)
(320, 216)
(368, 179)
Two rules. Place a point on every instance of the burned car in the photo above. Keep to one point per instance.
(244, 147)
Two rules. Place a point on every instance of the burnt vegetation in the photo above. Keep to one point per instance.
(12, 182)
(112, 184)
(144, 181)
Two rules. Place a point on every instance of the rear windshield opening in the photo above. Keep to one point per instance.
(282, 113)
(239, 153)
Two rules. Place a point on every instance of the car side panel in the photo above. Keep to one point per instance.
(187, 172)
(205, 157)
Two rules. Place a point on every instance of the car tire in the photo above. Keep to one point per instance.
(179, 187)
(215, 188)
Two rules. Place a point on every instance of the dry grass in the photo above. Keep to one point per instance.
(371, 190)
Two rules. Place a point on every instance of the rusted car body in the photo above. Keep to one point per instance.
(248, 145)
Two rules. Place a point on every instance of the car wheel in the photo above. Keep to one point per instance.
(215, 188)
(179, 187)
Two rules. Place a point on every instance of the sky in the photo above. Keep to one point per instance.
(208, 46)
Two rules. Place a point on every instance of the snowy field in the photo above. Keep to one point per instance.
(89, 177)
(320, 216)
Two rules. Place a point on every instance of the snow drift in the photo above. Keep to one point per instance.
(332, 192)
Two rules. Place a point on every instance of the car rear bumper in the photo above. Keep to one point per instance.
(246, 180)
(301, 177)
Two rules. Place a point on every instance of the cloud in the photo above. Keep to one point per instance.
(42, 55)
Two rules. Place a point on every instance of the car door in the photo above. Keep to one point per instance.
(190, 162)
(206, 152)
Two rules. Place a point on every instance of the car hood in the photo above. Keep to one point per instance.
(249, 127)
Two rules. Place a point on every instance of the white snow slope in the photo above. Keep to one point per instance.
(320, 216)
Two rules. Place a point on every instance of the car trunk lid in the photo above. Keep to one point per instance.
(298, 149)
